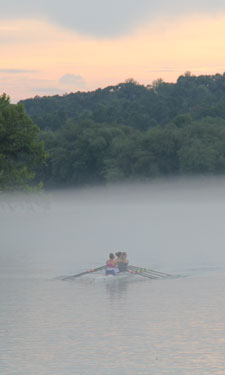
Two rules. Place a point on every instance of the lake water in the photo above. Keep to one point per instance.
(172, 326)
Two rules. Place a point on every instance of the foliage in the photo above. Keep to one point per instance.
(20, 148)
(130, 131)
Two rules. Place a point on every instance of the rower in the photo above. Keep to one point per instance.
(122, 261)
(111, 265)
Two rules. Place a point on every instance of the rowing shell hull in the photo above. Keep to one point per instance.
(108, 278)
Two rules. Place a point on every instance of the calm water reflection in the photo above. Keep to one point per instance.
(171, 326)
(159, 327)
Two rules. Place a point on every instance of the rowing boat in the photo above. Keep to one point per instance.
(101, 277)
(93, 274)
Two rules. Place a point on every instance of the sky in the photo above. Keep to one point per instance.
(54, 47)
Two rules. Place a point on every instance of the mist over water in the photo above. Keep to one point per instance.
(169, 225)
(169, 326)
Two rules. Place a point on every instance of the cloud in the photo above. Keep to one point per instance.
(104, 18)
(21, 86)
(18, 71)
(72, 80)
(162, 50)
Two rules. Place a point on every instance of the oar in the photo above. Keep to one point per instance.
(144, 271)
(84, 273)
(160, 274)
(150, 272)
(140, 273)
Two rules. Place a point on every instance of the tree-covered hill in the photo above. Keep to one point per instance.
(130, 131)
(131, 104)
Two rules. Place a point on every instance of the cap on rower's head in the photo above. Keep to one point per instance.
(124, 254)
(111, 256)
(118, 254)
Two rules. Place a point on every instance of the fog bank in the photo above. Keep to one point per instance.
(172, 225)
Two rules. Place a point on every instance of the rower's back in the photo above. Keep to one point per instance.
(122, 266)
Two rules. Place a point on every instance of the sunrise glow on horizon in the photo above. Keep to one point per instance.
(39, 57)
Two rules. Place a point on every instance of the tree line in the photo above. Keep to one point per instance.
(127, 132)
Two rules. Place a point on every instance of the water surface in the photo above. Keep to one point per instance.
(138, 326)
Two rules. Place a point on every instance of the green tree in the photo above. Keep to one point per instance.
(77, 154)
(20, 148)
(203, 147)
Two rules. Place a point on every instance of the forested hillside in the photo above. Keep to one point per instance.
(130, 131)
